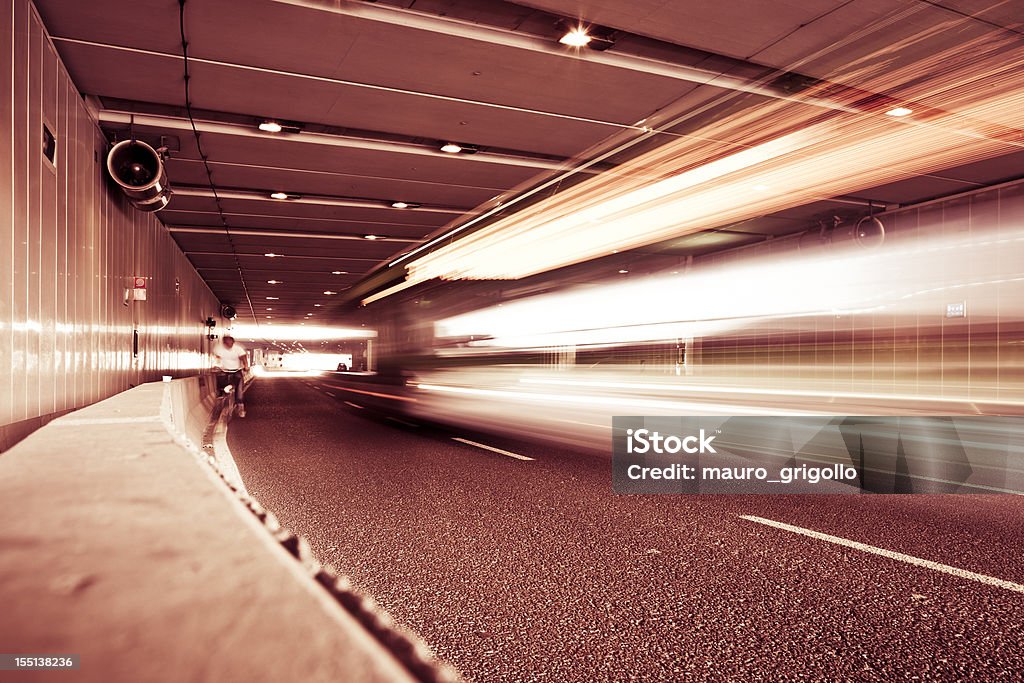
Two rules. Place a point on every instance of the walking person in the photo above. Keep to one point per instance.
(231, 363)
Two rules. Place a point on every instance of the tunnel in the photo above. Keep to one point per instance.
(511, 341)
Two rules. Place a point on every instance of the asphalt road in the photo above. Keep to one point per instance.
(532, 570)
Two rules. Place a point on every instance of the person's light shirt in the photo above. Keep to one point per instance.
(227, 359)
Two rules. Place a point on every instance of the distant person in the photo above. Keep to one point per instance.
(230, 363)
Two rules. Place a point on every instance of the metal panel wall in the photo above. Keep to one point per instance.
(69, 246)
(979, 357)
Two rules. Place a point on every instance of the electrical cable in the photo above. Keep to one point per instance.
(206, 163)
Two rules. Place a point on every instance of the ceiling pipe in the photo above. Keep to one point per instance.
(271, 233)
(453, 27)
(239, 130)
(316, 200)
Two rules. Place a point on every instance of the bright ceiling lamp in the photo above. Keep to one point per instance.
(899, 112)
(269, 126)
(575, 37)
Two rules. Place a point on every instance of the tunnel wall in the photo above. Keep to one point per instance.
(980, 356)
(69, 248)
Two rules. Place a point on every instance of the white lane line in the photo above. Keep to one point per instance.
(403, 422)
(909, 559)
(330, 393)
(354, 405)
(491, 448)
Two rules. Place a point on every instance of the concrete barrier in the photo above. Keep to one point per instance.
(192, 400)
(121, 546)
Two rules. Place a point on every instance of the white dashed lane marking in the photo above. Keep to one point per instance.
(890, 554)
(491, 448)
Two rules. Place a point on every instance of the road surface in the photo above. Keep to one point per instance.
(519, 569)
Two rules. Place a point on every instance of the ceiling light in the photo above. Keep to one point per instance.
(373, 237)
(270, 126)
(318, 305)
(271, 255)
(270, 316)
(329, 292)
(339, 272)
(399, 205)
(451, 148)
(272, 298)
(623, 271)
(274, 282)
(279, 195)
(575, 37)
(899, 111)
(270, 309)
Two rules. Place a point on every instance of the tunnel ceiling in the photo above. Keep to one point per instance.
(370, 92)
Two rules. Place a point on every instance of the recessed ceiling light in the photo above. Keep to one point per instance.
(270, 316)
(279, 195)
(271, 255)
(270, 309)
(339, 272)
(373, 237)
(329, 292)
(623, 271)
(272, 298)
(318, 305)
(399, 205)
(899, 111)
(576, 37)
(451, 148)
(269, 126)
(274, 282)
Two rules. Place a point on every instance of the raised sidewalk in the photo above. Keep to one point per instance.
(117, 543)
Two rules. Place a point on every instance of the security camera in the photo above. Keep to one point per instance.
(869, 232)
(139, 171)
(228, 311)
